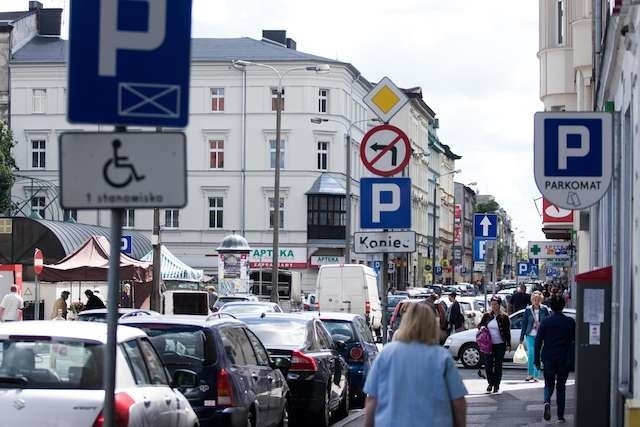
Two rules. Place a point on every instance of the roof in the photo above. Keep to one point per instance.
(327, 184)
(200, 321)
(85, 331)
(54, 49)
(338, 316)
(174, 269)
(73, 235)
(14, 16)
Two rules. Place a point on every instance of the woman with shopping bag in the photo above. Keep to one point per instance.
(499, 326)
(534, 314)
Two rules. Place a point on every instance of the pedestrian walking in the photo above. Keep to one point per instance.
(533, 317)
(555, 347)
(499, 327)
(520, 299)
(455, 318)
(400, 395)
(93, 302)
(61, 305)
(212, 297)
(11, 306)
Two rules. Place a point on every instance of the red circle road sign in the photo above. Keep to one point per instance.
(38, 261)
(385, 150)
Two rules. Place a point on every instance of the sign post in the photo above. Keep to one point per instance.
(38, 265)
(118, 75)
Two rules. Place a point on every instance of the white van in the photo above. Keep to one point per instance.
(350, 288)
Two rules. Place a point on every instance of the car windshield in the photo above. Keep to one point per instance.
(340, 329)
(177, 345)
(50, 364)
(392, 301)
(287, 333)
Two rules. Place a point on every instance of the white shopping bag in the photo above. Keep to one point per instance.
(520, 356)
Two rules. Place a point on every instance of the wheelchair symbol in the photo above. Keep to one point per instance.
(119, 162)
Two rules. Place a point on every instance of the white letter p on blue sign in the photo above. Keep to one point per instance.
(385, 203)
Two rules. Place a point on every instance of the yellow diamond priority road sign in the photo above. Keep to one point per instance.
(385, 99)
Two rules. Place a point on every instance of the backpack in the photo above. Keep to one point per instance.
(483, 339)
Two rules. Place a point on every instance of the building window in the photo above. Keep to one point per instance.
(70, 215)
(129, 218)
(38, 205)
(326, 210)
(323, 100)
(560, 26)
(274, 99)
(323, 155)
(216, 154)
(38, 153)
(271, 212)
(217, 99)
(171, 218)
(39, 100)
(272, 154)
(216, 212)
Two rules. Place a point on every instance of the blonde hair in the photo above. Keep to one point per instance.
(537, 294)
(419, 323)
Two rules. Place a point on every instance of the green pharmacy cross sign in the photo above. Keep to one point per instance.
(535, 249)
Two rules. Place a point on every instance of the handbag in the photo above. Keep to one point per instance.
(483, 339)
(520, 356)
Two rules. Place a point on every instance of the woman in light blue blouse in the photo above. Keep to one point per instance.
(414, 381)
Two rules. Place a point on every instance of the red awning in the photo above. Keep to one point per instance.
(90, 263)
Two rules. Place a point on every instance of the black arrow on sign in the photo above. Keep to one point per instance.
(394, 152)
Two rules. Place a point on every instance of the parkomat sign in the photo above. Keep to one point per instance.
(287, 257)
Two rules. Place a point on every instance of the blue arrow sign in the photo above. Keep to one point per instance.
(485, 226)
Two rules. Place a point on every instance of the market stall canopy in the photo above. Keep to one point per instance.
(90, 263)
(173, 269)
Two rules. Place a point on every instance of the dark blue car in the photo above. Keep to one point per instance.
(240, 385)
(358, 348)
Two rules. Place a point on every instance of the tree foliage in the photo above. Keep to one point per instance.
(7, 166)
(489, 206)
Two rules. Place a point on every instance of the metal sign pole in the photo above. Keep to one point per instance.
(384, 299)
(112, 315)
(36, 307)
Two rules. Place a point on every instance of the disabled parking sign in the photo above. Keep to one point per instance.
(573, 157)
(129, 62)
(115, 170)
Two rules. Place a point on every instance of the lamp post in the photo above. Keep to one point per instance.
(321, 68)
(347, 239)
(436, 176)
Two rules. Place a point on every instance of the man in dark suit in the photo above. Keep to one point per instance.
(455, 317)
(520, 299)
(93, 301)
(555, 341)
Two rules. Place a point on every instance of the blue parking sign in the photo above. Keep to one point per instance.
(129, 62)
(385, 203)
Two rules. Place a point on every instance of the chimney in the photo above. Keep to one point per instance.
(35, 5)
(49, 21)
(279, 37)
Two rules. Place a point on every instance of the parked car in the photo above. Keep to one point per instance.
(222, 300)
(310, 303)
(239, 384)
(258, 307)
(463, 345)
(51, 374)
(317, 376)
(356, 345)
(392, 301)
(100, 314)
(467, 310)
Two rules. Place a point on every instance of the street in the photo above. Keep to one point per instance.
(518, 403)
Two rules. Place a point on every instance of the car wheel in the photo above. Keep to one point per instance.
(343, 409)
(470, 356)
(324, 415)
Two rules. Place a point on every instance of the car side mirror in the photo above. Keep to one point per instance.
(184, 378)
(340, 344)
(280, 363)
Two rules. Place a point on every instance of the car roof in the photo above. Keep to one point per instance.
(85, 331)
(120, 310)
(250, 317)
(265, 303)
(186, 320)
(338, 316)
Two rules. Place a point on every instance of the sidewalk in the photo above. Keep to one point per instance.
(517, 404)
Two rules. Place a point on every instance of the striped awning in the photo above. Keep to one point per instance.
(174, 269)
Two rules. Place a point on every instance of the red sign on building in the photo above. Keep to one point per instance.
(551, 214)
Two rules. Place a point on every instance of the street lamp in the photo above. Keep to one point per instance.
(433, 243)
(347, 240)
(320, 69)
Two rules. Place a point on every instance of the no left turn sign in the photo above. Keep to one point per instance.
(385, 150)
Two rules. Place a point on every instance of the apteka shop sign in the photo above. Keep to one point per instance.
(287, 257)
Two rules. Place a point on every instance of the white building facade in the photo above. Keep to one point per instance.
(230, 153)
